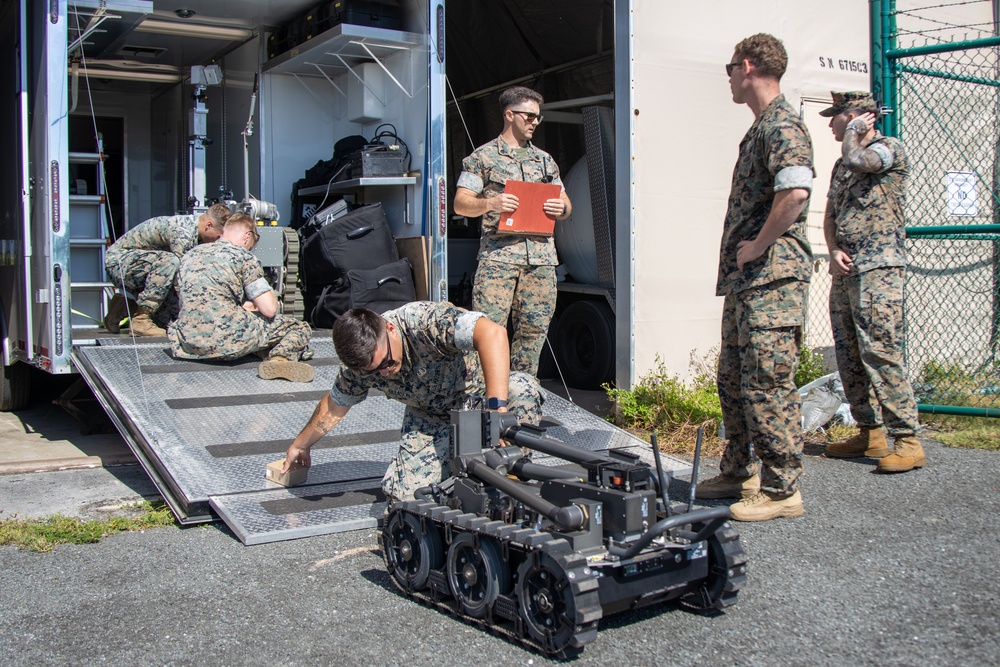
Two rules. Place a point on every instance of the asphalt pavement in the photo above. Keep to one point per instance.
(881, 570)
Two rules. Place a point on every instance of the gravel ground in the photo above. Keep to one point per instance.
(881, 570)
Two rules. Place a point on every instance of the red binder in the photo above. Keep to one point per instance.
(529, 218)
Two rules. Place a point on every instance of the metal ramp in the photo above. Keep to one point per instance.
(204, 432)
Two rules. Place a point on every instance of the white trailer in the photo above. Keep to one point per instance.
(122, 67)
(106, 129)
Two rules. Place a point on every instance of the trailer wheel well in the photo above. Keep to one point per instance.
(585, 344)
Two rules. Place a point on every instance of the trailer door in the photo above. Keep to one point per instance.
(15, 240)
(46, 323)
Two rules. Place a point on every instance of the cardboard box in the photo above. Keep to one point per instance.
(296, 474)
(415, 250)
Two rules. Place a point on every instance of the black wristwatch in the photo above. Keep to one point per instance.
(492, 403)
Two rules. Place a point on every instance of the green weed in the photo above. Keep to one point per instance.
(44, 534)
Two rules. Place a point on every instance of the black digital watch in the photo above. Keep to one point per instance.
(492, 403)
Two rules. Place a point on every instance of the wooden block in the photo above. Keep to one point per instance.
(295, 475)
(415, 249)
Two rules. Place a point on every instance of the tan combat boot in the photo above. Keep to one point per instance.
(281, 367)
(143, 325)
(727, 486)
(907, 455)
(869, 442)
(765, 506)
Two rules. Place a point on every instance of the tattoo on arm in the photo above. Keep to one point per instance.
(323, 422)
(326, 424)
(857, 157)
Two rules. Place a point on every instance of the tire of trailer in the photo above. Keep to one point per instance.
(585, 344)
(15, 386)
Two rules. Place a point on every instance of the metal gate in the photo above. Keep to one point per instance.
(935, 65)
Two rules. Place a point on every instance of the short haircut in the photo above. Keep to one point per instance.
(766, 52)
(518, 94)
(239, 220)
(356, 335)
(867, 107)
(218, 213)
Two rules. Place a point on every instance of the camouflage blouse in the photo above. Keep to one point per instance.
(776, 154)
(169, 233)
(868, 207)
(486, 172)
(440, 365)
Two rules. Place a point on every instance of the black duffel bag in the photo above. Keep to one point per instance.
(361, 239)
(380, 289)
(384, 288)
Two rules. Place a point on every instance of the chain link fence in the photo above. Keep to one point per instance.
(943, 74)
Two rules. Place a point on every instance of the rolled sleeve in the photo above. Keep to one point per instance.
(793, 177)
(470, 182)
(346, 391)
(884, 153)
(465, 327)
(256, 288)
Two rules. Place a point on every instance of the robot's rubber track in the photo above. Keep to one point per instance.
(541, 556)
(727, 573)
(291, 299)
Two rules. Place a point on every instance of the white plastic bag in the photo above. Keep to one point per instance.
(823, 399)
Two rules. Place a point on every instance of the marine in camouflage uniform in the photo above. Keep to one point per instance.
(516, 275)
(214, 281)
(866, 236)
(144, 261)
(764, 309)
(439, 370)
(764, 267)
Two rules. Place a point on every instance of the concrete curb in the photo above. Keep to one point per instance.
(70, 463)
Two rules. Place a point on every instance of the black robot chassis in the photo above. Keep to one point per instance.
(541, 554)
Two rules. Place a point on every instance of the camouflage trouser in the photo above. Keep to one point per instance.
(148, 274)
(866, 311)
(528, 295)
(423, 455)
(282, 337)
(761, 334)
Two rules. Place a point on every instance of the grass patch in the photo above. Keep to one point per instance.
(965, 432)
(44, 534)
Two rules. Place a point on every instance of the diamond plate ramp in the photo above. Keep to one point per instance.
(285, 514)
(204, 432)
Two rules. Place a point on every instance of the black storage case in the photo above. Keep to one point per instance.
(386, 15)
(377, 161)
(359, 240)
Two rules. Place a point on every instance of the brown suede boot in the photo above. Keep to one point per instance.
(765, 506)
(725, 486)
(869, 442)
(143, 325)
(119, 310)
(281, 367)
(907, 455)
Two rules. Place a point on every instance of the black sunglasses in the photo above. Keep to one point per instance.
(388, 361)
(731, 66)
(529, 116)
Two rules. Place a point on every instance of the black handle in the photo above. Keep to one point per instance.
(359, 232)
(389, 279)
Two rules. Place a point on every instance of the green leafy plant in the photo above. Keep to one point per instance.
(674, 409)
(812, 366)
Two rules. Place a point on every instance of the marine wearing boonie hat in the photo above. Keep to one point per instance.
(855, 99)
